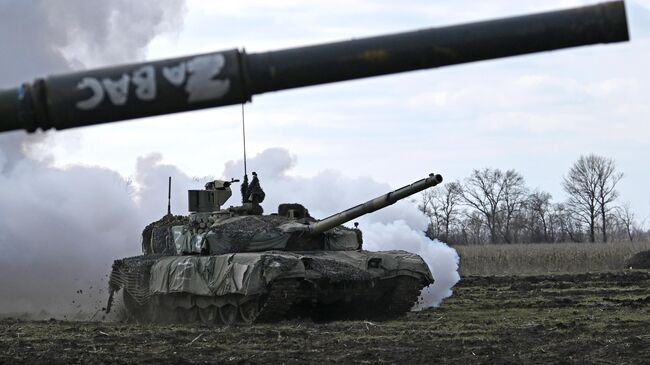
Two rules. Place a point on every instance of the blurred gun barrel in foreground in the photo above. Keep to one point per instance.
(233, 77)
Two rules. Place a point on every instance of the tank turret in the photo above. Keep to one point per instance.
(233, 77)
(212, 230)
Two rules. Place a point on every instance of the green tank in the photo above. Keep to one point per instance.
(236, 264)
(232, 77)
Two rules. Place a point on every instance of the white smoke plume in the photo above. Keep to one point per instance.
(398, 227)
(61, 228)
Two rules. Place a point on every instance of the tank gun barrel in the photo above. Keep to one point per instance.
(233, 76)
(374, 204)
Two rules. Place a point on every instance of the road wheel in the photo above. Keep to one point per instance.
(228, 314)
(208, 315)
(161, 311)
(189, 315)
(249, 311)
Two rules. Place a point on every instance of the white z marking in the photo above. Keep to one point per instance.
(200, 84)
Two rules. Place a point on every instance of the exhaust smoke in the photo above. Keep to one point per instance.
(59, 228)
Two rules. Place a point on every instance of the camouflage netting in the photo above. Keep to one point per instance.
(244, 233)
(245, 228)
(156, 237)
(260, 233)
(338, 270)
(132, 275)
(640, 260)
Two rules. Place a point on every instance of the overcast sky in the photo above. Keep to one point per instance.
(536, 114)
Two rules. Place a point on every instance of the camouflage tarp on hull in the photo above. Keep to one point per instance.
(250, 273)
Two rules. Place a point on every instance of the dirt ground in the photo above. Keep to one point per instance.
(598, 318)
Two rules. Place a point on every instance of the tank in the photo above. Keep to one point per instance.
(236, 264)
(234, 76)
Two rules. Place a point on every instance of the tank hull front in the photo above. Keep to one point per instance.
(270, 286)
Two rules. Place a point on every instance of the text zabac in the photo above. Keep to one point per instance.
(196, 74)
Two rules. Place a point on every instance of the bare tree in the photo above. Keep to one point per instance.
(472, 227)
(554, 223)
(608, 178)
(514, 198)
(497, 196)
(441, 206)
(496, 206)
(627, 219)
(591, 183)
(539, 208)
(569, 223)
(581, 186)
(449, 200)
(482, 192)
(428, 208)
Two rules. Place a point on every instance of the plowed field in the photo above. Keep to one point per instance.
(579, 318)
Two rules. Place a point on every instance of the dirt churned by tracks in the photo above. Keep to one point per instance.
(576, 318)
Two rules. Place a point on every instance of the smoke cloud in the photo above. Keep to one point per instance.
(60, 228)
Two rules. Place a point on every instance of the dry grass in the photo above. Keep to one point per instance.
(546, 258)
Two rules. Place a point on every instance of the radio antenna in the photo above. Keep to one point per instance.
(243, 130)
(169, 196)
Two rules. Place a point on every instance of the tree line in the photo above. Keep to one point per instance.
(495, 206)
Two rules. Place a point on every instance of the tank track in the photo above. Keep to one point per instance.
(399, 296)
(271, 307)
(282, 296)
(400, 301)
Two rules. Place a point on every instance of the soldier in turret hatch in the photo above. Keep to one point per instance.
(252, 193)
(255, 193)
